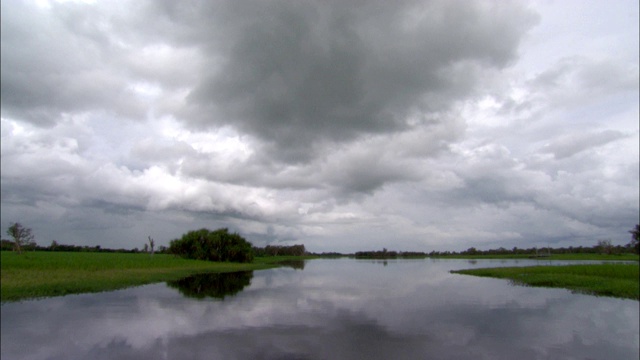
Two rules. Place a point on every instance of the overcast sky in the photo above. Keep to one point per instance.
(343, 125)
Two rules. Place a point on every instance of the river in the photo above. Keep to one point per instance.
(327, 309)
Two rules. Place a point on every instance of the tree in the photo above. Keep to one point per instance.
(151, 244)
(21, 235)
(635, 239)
(218, 245)
(471, 251)
(605, 246)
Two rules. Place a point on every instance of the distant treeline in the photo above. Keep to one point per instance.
(384, 254)
(269, 250)
(8, 245)
(274, 250)
(603, 247)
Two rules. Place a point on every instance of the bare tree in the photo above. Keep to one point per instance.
(21, 236)
(635, 239)
(605, 246)
(151, 244)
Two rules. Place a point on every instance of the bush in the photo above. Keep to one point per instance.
(218, 245)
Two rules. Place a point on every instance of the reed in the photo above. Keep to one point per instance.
(611, 279)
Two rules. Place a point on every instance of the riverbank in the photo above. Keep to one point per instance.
(615, 280)
(45, 274)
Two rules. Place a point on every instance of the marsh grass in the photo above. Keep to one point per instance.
(43, 274)
(615, 280)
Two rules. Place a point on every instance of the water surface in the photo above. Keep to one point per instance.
(327, 309)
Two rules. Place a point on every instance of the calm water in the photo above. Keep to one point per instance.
(327, 309)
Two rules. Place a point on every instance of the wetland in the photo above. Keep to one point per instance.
(328, 309)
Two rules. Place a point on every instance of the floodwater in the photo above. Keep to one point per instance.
(327, 309)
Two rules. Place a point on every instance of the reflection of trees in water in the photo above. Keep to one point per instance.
(212, 285)
(295, 264)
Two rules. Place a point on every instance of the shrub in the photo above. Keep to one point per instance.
(218, 245)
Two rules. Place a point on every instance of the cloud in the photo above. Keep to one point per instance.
(49, 69)
(330, 122)
(298, 76)
(572, 144)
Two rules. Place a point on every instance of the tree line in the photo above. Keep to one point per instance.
(9, 245)
(221, 245)
(385, 254)
(276, 250)
(602, 247)
(203, 244)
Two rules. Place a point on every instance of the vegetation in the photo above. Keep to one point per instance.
(570, 256)
(616, 280)
(7, 245)
(384, 254)
(22, 237)
(39, 274)
(218, 245)
(151, 244)
(61, 269)
(273, 250)
(602, 247)
(635, 239)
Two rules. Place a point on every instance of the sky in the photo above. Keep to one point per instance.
(342, 125)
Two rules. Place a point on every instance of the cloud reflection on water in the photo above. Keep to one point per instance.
(338, 309)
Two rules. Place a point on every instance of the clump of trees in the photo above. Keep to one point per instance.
(276, 250)
(386, 254)
(217, 245)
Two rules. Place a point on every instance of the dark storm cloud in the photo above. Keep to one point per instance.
(297, 74)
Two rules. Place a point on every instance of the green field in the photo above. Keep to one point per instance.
(41, 274)
(615, 280)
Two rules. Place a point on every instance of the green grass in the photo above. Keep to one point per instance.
(44, 274)
(615, 280)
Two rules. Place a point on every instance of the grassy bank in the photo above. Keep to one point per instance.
(41, 274)
(616, 280)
